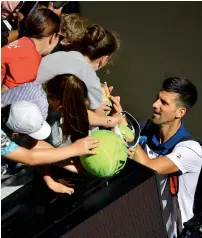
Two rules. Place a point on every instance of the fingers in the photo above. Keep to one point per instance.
(116, 103)
(106, 108)
(92, 146)
(117, 108)
(61, 188)
(118, 98)
(110, 89)
(107, 89)
(67, 190)
(92, 152)
(50, 5)
(106, 103)
(115, 100)
(92, 139)
(66, 182)
(92, 142)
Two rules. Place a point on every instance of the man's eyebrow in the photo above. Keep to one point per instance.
(162, 100)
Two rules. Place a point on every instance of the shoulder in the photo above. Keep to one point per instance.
(7, 146)
(187, 156)
(190, 145)
(26, 90)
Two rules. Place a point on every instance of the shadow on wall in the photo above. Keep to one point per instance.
(157, 39)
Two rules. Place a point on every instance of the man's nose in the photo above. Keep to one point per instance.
(156, 104)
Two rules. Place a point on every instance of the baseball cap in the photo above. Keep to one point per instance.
(25, 117)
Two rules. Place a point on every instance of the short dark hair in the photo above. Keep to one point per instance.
(184, 88)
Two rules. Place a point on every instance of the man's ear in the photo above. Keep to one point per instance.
(14, 135)
(181, 112)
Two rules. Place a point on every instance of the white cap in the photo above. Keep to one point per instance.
(25, 117)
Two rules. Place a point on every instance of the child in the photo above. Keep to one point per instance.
(21, 58)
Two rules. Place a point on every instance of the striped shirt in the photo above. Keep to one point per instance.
(32, 92)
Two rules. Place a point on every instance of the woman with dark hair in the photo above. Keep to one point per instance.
(21, 58)
(68, 95)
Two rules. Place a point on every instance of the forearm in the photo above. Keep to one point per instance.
(52, 155)
(46, 175)
(96, 119)
(40, 156)
(161, 164)
(141, 157)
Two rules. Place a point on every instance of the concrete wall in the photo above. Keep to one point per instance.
(157, 39)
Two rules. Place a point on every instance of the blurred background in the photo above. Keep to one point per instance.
(158, 40)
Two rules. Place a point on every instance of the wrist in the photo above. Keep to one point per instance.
(72, 151)
(108, 122)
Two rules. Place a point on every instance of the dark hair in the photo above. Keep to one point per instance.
(184, 88)
(71, 93)
(41, 23)
(97, 42)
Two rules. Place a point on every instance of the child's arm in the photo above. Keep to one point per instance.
(47, 154)
(96, 119)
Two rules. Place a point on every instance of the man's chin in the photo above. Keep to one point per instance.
(155, 121)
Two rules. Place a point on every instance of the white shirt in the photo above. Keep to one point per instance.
(187, 156)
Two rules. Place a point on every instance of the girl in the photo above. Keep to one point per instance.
(68, 95)
(21, 58)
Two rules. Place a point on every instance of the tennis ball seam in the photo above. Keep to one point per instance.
(108, 156)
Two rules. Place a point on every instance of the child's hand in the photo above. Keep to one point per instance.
(84, 146)
(61, 186)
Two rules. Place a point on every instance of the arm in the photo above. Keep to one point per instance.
(15, 94)
(103, 120)
(57, 187)
(162, 164)
(186, 157)
(40, 156)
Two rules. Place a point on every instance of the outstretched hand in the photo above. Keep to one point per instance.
(84, 146)
(61, 186)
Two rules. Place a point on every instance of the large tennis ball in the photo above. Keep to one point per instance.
(106, 99)
(126, 132)
(110, 157)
